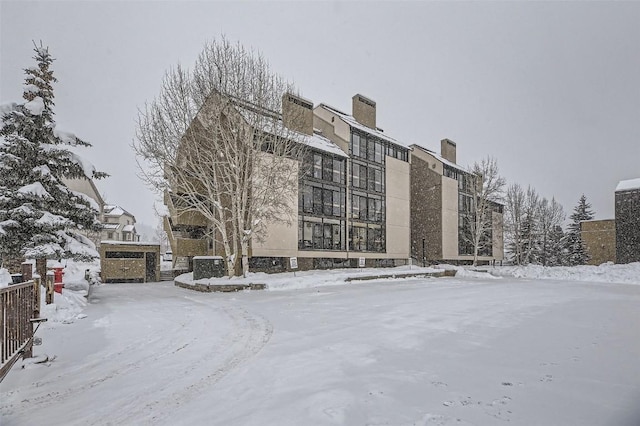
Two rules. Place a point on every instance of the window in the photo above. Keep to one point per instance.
(338, 170)
(378, 153)
(327, 169)
(307, 199)
(317, 200)
(327, 202)
(355, 144)
(317, 166)
(109, 235)
(371, 149)
(320, 234)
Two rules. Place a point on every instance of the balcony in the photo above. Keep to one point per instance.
(182, 244)
(183, 217)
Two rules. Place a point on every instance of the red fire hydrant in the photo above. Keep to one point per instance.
(57, 279)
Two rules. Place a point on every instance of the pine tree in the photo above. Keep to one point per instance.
(557, 254)
(577, 252)
(39, 214)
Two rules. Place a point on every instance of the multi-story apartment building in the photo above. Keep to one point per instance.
(356, 199)
(376, 185)
(627, 208)
(441, 205)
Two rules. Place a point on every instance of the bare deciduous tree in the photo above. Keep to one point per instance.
(551, 217)
(485, 185)
(215, 139)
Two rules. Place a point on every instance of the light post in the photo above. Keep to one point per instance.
(424, 259)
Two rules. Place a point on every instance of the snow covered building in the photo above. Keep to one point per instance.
(118, 224)
(373, 224)
(352, 201)
(627, 211)
(439, 202)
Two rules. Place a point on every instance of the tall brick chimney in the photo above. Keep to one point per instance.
(297, 113)
(448, 150)
(364, 111)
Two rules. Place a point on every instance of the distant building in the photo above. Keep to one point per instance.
(88, 189)
(599, 238)
(439, 203)
(118, 224)
(627, 206)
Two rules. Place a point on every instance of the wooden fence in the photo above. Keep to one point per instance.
(19, 304)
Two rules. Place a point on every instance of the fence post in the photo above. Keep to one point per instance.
(36, 296)
(49, 281)
(27, 311)
(27, 272)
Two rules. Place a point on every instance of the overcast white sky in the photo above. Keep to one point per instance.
(551, 89)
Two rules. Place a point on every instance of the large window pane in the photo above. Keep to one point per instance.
(338, 170)
(336, 203)
(355, 145)
(317, 200)
(307, 199)
(317, 235)
(378, 152)
(327, 169)
(355, 175)
(327, 202)
(317, 166)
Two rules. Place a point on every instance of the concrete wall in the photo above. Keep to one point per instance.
(332, 127)
(282, 238)
(398, 206)
(599, 237)
(449, 218)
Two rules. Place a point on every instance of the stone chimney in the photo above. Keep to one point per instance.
(448, 150)
(364, 111)
(297, 113)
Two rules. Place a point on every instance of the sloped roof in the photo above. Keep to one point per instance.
(113, 210)
(351, 121)
(440, 158)
(628, 185)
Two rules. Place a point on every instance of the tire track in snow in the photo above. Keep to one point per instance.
(249, 334)
(38, 395)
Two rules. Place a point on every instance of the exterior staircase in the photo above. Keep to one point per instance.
(166, 275)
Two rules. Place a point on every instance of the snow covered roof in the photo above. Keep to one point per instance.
(110, 226)
(128, 228)
(322, 143)
(351, 121)
(113, 210)
(628, 185)
(274, 125)
(440, 158)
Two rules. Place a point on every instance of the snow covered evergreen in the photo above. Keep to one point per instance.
(577, 252)
(39, 214)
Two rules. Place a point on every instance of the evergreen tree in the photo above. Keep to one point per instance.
(39, 214)
(557, 254)
(577, 252)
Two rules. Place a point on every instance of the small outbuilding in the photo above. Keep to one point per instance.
(127, 261)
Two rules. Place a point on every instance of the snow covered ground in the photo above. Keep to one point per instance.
(470, 350)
